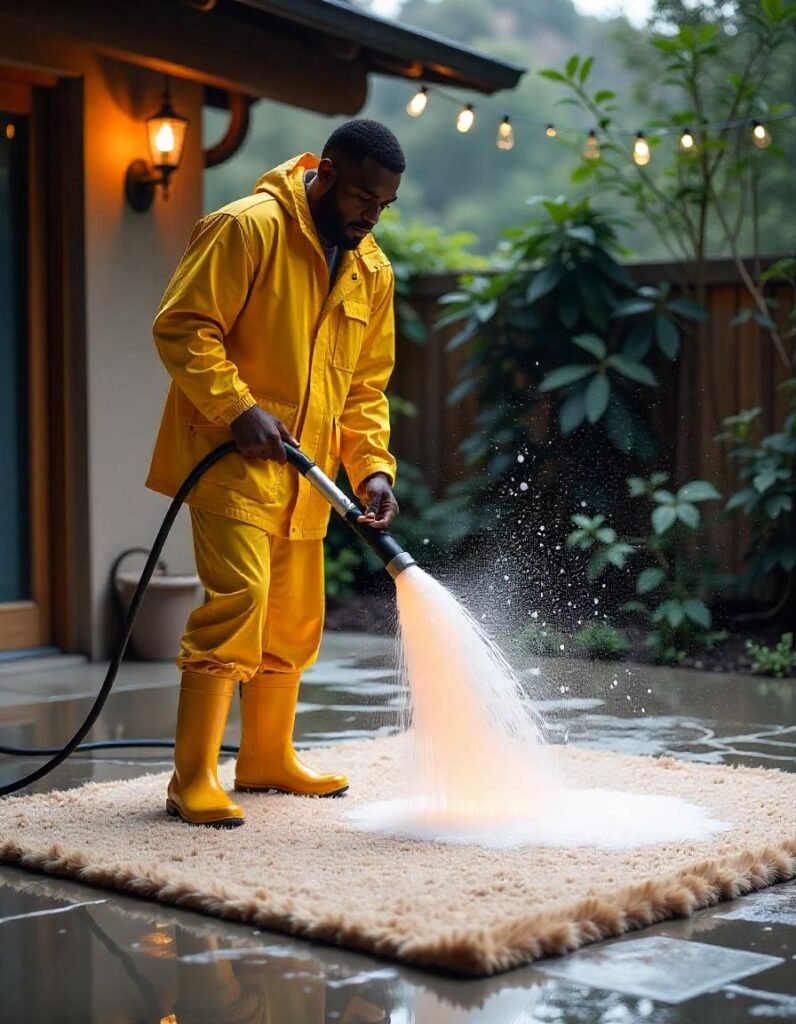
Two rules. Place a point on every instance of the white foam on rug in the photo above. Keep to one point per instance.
(599, 818)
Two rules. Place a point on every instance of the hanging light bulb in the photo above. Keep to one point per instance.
(760, 135)
(550, 131)
(687, 142)
(505, 134)
(641, 150)
(592, 148)
(417, 104)
(466, 119)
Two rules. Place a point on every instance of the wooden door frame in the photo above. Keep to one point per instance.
(27, 622)
(58, 613)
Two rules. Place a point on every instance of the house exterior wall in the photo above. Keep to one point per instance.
(129, 258)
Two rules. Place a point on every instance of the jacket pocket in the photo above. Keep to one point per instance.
(261, 479)
(352, 320)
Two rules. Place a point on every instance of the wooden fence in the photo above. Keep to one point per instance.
(730, 369)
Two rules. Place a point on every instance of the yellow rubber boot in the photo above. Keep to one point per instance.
(194, 793)
(267, 759)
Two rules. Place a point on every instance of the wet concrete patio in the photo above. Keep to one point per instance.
(71, 953)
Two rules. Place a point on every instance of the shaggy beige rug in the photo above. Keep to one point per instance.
(297, 866)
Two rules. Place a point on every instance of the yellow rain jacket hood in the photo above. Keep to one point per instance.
(248, 319)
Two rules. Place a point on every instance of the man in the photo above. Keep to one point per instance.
(276, 327)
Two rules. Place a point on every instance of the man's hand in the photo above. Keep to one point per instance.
(259, 435)
(382, 506)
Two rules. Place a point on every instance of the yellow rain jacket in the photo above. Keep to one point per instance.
(248, 320)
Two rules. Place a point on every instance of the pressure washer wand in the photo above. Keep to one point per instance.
(383, 544)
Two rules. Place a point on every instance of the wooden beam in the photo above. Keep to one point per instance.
(207, 47)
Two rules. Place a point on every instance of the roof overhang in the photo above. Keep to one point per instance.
(386, 46)
(313, 54)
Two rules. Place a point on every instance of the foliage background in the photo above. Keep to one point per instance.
(447, 171)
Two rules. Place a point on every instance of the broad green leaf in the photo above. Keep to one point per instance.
(664, 497)
(606, 535)
(745, 497)
(467, 333)
(777, 504)
(764, 480)
(742, 317)
(486, 310)
(603, 95)
(572, 65)
(667, 336)
(568, 307)
(633, 371)
(544, 282)
(583, 233)
(663, 518)
(650, 580)
(698, 490)
(585, 69)
(462, 389)
(698, 612)
(688, 514)
(688, 308)
(638, 341)
(553, 75)
(617, 554)
(636, 486)
(592, 344)
(597, 395)
(630, 307)
(566, 375)
(672, 611)
(572, 412)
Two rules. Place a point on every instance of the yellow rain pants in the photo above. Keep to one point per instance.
(264, 605)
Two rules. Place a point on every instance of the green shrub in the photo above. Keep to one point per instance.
(779, 661)
(672, 581)
(541, 640)
(601, 640)
(339, 568)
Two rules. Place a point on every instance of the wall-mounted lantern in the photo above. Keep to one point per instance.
(166, 135)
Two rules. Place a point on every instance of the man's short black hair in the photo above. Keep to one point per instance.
(363, 137)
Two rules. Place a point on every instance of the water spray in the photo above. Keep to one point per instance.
(387, 549)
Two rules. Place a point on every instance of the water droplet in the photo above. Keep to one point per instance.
(520, 459)
(561, 647)
(562, 689)
(425, 540)
(523, 486)
(505, 577)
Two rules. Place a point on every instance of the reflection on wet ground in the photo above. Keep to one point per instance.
(124, 960)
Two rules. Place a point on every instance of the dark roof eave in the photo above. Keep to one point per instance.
(433, 56)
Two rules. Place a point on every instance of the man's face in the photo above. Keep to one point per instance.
(352, 198)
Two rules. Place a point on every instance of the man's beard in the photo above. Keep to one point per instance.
(329, 224)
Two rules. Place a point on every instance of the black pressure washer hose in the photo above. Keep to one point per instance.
(385, 546)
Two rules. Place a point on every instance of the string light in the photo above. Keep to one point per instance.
(417, 104)
(592, 148)
(466, 119)
(687, 144)
(642, 153)
(11, 131)
(505, 134)
(761, 135)
(641, 150)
